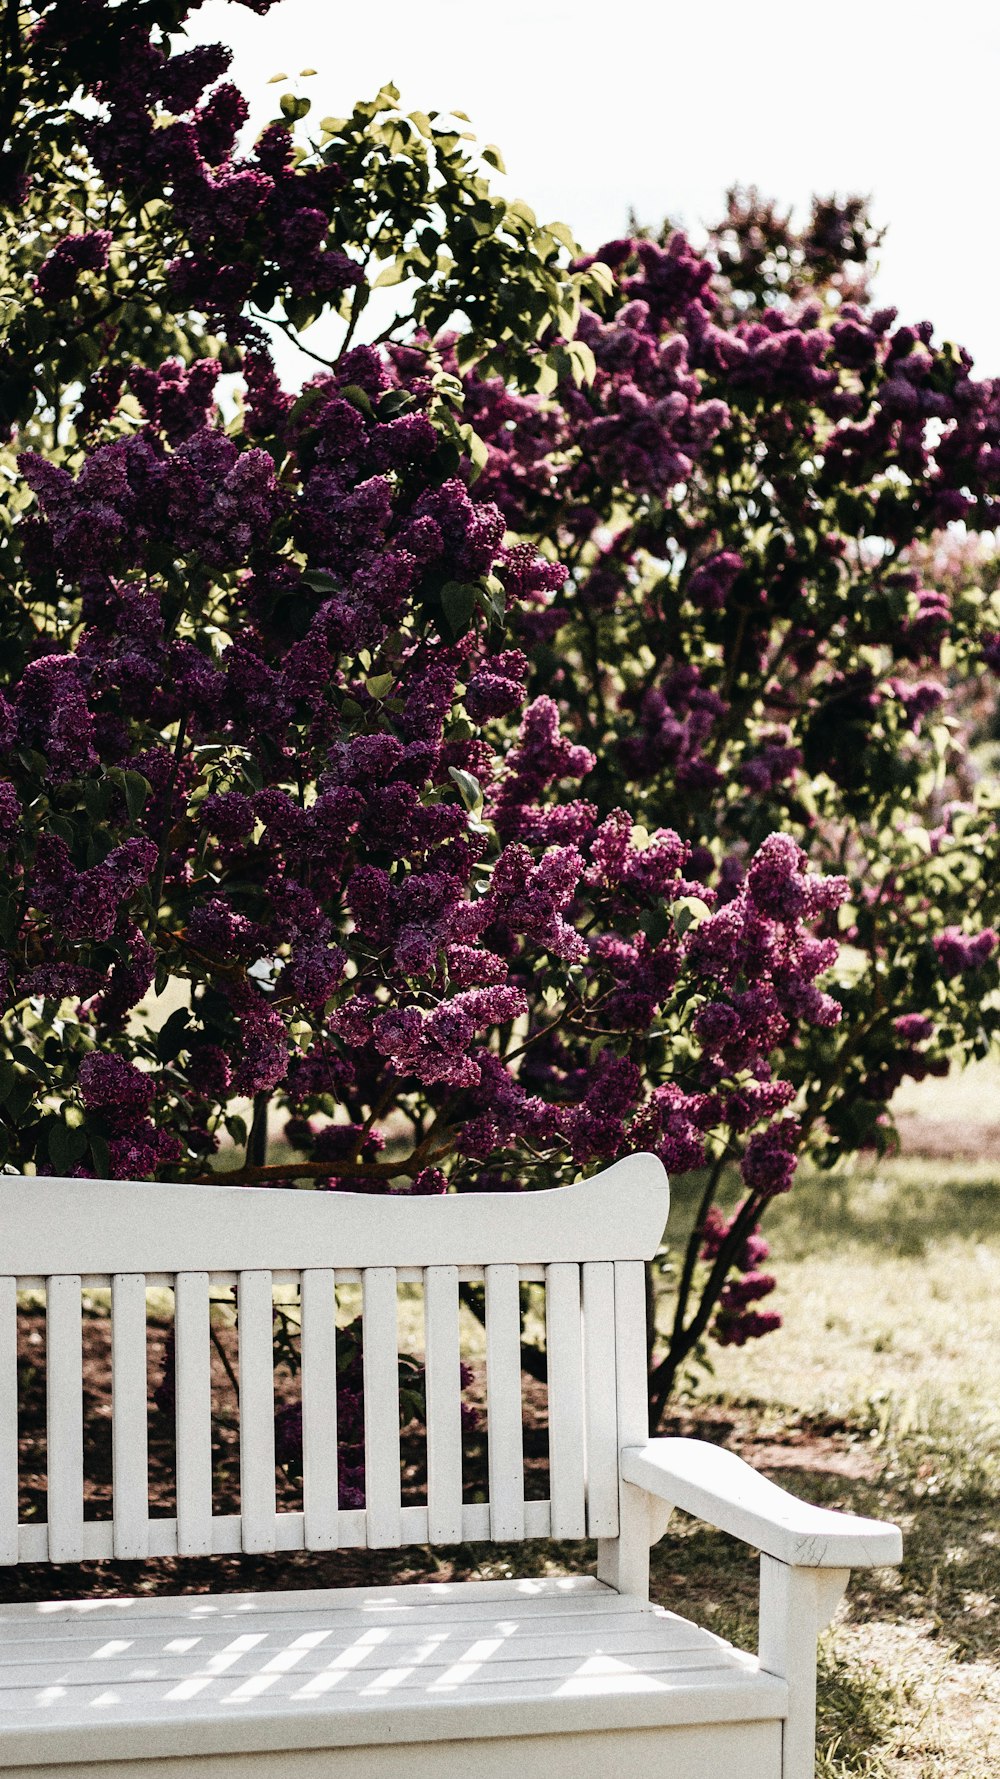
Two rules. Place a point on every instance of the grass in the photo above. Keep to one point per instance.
(879, 1395)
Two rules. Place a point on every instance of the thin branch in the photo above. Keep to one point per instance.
(224, 1356)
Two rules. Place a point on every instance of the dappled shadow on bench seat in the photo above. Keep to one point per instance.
(360, 1665)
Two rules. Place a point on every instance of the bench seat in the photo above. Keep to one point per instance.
(109, 1681)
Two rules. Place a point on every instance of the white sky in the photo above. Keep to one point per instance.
(662, 105)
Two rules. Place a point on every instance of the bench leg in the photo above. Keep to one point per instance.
(795, 1605)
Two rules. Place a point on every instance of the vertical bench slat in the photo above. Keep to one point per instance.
(8, 1420)
(255, 1321)
(624, 1561)
(381, 1379)
(319, 1409)
(129, 1414)
(564, 1347)
(601, 1404)
(503, 1402)
(630, 1352)
(64, 1416)
(444, 1404)
(193, 1414)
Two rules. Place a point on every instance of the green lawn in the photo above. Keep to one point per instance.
(880, 1395)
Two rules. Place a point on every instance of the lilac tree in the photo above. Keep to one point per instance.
(412, 730)
(771, 621)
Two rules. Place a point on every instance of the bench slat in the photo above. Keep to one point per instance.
(64, 1416)
(8, 1420)
(444, 1405)
(503, 1402)
(255, 1327)
(319, 1408)
(564, 1346)
(601, 1397)
(129, 1415)
(381, 1376)
(193, 1415)
(630, 1352)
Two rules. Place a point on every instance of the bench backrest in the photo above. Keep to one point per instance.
(585, 1243)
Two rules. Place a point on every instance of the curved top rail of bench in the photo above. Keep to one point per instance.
(110, 1226)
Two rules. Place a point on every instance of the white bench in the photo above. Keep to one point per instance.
(581, 1675)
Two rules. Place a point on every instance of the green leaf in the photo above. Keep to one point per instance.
(689, 911)
(393, 274)
(458, 601)
(564, 235)
(137, 789)
(352, 392)
(306, 400)
(66, 1146)
(477, 448)
(380, 683)
(523, 212)
(293, 108)
(101, 1153)
(583, 361)
(170, 1039)
(600, 277)
(469, 789)
(492, 154)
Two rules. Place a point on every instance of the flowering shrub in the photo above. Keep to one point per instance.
(765, 625)
(456, 839)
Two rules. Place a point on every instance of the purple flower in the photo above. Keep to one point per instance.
(769, 1162)
(59, 272)
(914, 1028)
(958, 952)
(112, 1085)
(10, 813)
(712, 581)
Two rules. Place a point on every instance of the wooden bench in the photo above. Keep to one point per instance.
(580, 1676)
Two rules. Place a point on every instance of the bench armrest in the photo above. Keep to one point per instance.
(719, 1488)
